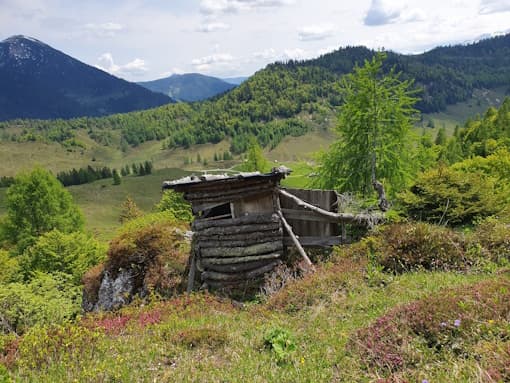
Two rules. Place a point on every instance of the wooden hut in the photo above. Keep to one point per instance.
(240, 227)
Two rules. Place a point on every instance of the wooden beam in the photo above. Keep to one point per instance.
(364, 219)
(315, 241)
(217, 276)
(205, 262)
(199, 224)
(277, 232)
(240, 229)
(300, 249)
(305, 215)
(243, 251)
(227, 242)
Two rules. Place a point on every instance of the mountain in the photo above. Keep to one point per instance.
(39, 81)
(236, 80)
(293, 98)
(188, 87)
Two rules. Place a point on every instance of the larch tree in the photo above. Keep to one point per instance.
(375, 142)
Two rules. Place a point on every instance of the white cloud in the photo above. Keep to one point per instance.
(382, 12)
(215, 61)
(266, 54)
(103, 30)
(494, 6)
(316, 32)
(137, 67)
(213, 27)
(235, 6)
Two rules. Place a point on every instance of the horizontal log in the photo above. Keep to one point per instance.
(225, 194)
(206, 262)
(358, 219)
(245, 220)
(238, 267)
(240, 229)
(203, 244)
(243, 251)
(216, 276)
(304, 215)
(315, 241)
(200, 236)
(234, 197)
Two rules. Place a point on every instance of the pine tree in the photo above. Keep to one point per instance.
(116, 177)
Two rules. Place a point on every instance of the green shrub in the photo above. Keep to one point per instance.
(9, 268)
(174, 203)
(154, 247)
(454, 196)
(46, 299)
(55, 251)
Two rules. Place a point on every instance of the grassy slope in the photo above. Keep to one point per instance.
(200, 340)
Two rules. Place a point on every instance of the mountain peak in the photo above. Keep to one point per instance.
(21, 39)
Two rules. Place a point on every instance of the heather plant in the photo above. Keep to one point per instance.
(452, 322)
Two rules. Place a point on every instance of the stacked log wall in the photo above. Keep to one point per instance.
(232, 251)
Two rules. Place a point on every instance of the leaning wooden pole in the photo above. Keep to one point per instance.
(301, 251)
(367, 219)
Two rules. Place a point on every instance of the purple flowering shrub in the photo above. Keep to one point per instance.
(406, 247)
(452, 321)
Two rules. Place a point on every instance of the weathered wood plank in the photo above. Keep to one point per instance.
(246, 220)
(239, 237)
(238, 267)
(226, 194)
(304, 215)
(243, 251)
(207, 243)
(241, 229)
(217, 276)
(315, 241)
(206, 262)
(295, 240)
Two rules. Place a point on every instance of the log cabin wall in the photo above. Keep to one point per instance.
(238, 236)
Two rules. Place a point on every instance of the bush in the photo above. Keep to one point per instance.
(493, 236)
(174, 203)
(47, 299)
(454, 196)
(154, 247)
(9, 268)
(55, 251)
(405, 247)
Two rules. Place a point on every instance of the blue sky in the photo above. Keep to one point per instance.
(147, 39)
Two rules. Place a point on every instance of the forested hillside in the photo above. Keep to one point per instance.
(286, 99)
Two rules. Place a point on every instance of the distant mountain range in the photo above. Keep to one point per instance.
(38, 81)
(235, 80)
(189, 87)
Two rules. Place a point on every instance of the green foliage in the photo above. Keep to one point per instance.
(129, 210)
(175, 204)
(9, 268)
(255, 160)
(57, 252)
(46, 299)
(116, 177)
(37, 203)
(474, 188)
(375, 125)
(281, 342)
